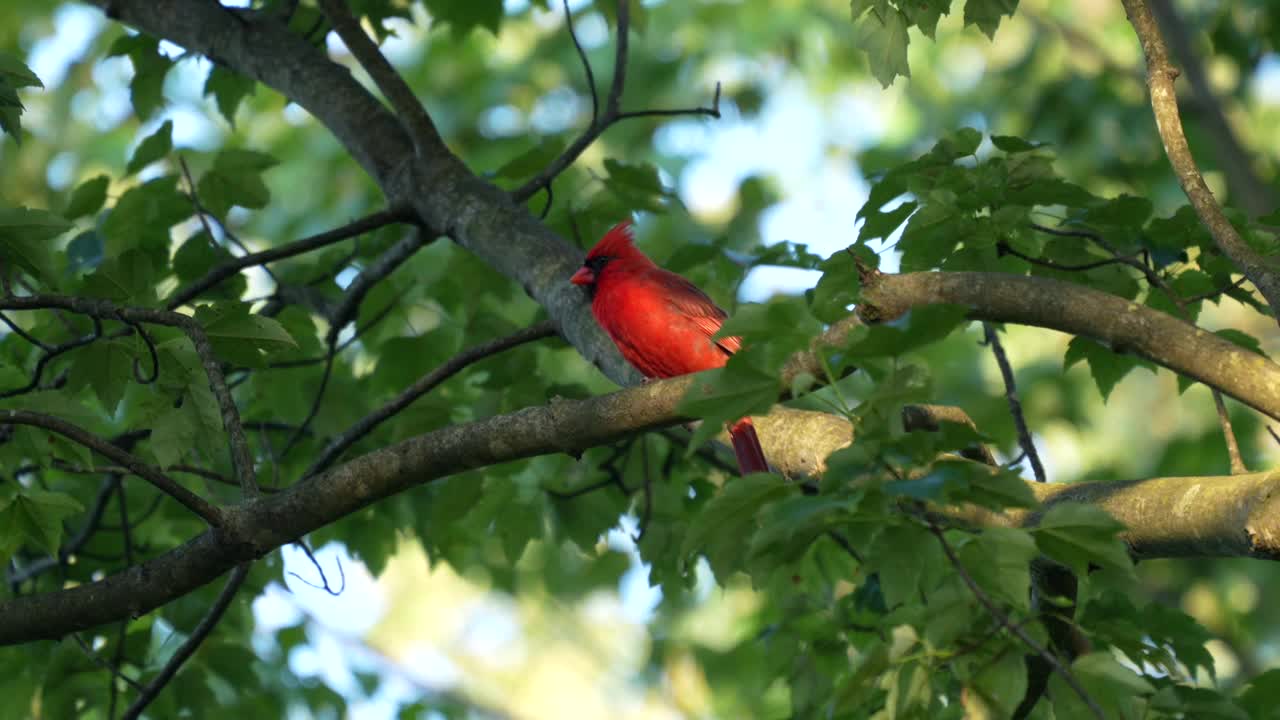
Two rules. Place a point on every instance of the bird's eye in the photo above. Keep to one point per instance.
(596, 264)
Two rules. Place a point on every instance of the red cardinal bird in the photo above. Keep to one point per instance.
(663, 324)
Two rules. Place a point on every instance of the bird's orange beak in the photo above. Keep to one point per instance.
(584, 276)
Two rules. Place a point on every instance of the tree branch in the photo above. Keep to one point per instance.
(416, 121)
(1003, 620)
(1243, 181)
(1125, 326)
(1164, 103)
(1015, 405)
(229, 268)
(241, 460)
(184, 653)
(612, 109)
(423, 385)
(164, 483)
(1166, 517)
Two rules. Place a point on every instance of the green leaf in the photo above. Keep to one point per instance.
(196, 256)
(1115, 688)
(463, 15)
(986, 14)
(38, 516)
(882, 35)
(236, 179)
(931, 234)
(146, 90)
(1012, 145)
(1000, 683)
(837, 290)
(59, 403)
(25, 236)
(636, 184)
(16, 73)
(153, 147)
(1261, 699)
(919, 327)
(720, 530)
(999, 560)
(724, 395)
(1125, 211)
(1106, 367)
(107, 367)
(129, 279)
(240, 337)
(174, 434)
(882, 224)
(925, 14)
(531, 161)
(228, 89)
(88, 197)
(1078, 535)
(788, 527)
(142, 217)
(782, 325)
(900, 554)
(1243, 339)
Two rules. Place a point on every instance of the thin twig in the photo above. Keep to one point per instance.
(1247, 189)
(188, 648)
(229, 268)
(1006, 249)
(423, 385)
(1182, 305)
(324, 579)
(117, 660)
(586, 64)
(346, 311)
(1016, 630)
(316, 401)
(601, 121)
(376, 272)
(207, 474)
(153, 475)
(1164, 105)
(17, 330)
(1015, 405)
(241, 460)
(407, 108)
(49, 355)
(93, 657)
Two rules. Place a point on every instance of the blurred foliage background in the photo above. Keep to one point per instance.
(507, 611)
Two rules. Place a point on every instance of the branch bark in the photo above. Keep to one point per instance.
(1124, 325)
(1167, 517)
(1164, 103)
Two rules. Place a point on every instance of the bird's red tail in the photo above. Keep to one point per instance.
(746, 445)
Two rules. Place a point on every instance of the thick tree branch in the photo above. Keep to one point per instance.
(79, 435)
(1164, 103)
(1125, 326)
(1166, 517)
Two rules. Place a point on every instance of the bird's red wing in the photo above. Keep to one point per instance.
(689, 300)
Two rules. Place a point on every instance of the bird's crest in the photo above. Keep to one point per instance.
(617, 243)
